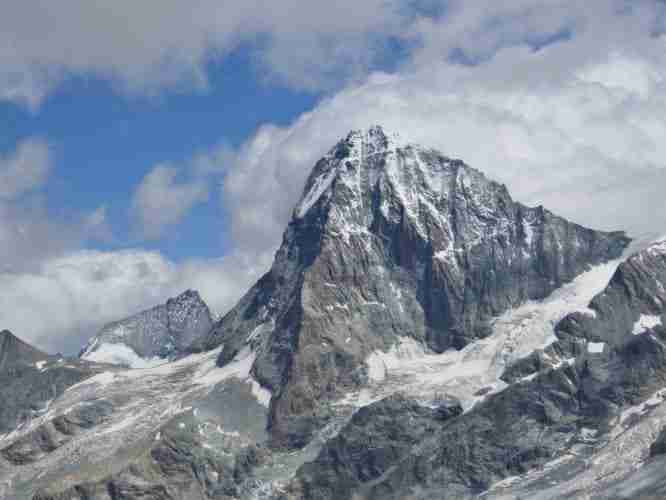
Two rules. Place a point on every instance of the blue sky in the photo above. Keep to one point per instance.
(150, 147)
(104, 142)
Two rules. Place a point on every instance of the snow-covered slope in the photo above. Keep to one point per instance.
(101, 423)
(151, 337)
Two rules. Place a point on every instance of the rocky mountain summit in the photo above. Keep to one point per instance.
(420, 335)
(392, 240)
(151, 336)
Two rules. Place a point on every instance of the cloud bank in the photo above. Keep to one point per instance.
(150, 45)
(61, 304)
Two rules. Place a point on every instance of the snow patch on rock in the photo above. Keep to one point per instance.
(646, 322)
(121, 354)
(319, 187)
(658, 247)
(595, 347)
(262, 394)
(409, 367)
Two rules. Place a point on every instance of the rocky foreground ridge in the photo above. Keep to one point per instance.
(420, 335)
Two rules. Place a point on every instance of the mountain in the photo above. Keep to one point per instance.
(31, 379)
(419, 335)
(152, 336)
(392, 240)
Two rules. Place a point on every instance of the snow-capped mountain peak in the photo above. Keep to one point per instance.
(394, 240)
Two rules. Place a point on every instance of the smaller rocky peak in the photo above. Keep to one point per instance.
(14, 351)
(187, 304)
(152, 336)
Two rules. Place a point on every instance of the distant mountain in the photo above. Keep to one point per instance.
(152, 336)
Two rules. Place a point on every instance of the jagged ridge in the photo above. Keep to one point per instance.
(150, 336)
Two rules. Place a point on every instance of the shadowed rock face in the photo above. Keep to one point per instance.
(534, 421)
(14, 352)
(163, 331)
(632, 303)
(29, 379)
(389, 240)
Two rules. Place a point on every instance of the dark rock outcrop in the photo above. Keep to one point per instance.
(52, 435)
(29, 379)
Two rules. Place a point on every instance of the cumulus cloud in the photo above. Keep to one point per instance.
(160, 200)
(153, 44)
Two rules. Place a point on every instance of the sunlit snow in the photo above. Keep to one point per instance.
(121, 354)
(646, 322)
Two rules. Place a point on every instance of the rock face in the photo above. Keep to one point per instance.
(376, 439)
(30, 379)
(606, 397)
(150, 336)
(392, 240)
(15, 352)
(632, 304)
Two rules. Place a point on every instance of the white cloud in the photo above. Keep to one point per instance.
(160, 201)
(24, 169)
(145, 46)
(67, 299)
(27, 233)
(577, 126)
